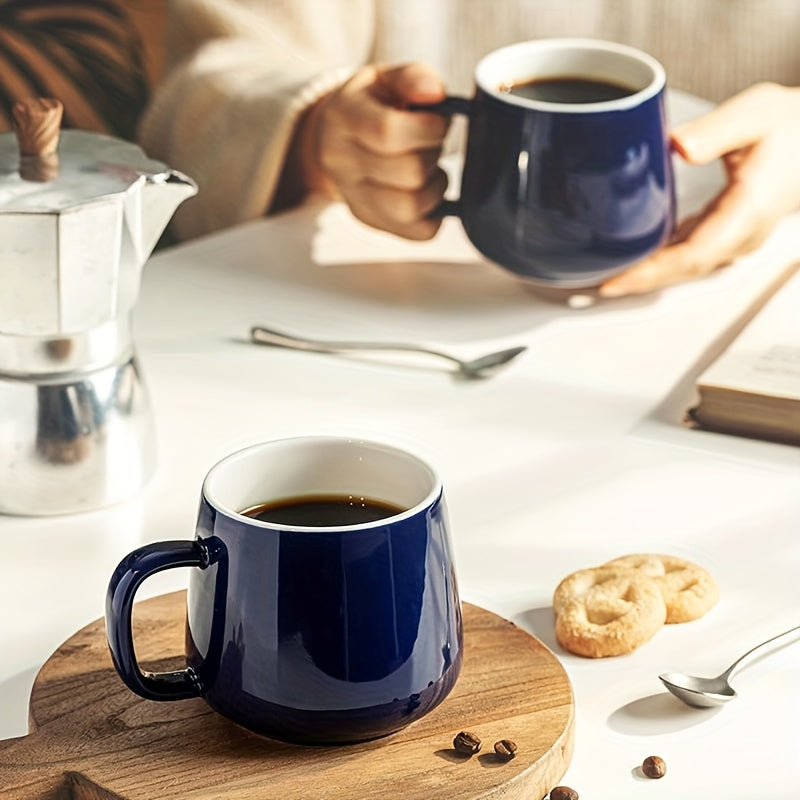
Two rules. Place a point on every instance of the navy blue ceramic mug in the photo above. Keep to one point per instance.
(567, 176)
(322, 604)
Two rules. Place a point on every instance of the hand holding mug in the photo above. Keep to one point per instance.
(756, 134)
(360, 143)
(562, 190)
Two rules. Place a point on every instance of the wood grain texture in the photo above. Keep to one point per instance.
(93, 739)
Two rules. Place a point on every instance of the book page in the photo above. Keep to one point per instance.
(765, 356)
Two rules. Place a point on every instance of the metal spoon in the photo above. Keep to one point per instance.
(710, 692)
(473, 368)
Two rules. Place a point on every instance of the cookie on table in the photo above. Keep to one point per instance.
(689, 590)
(607, 611)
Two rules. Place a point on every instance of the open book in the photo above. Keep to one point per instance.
(753, 387)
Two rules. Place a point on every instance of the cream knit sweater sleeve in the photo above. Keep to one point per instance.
(240, 74)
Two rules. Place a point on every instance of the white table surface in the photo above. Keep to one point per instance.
(572, 455)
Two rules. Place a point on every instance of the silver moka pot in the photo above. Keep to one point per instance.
(80, 214)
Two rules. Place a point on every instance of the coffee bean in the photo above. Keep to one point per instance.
(466, 743)
(505, 749)
(563, 793)
(654, 767)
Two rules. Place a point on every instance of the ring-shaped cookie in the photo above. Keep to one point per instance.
(689, 590)
(607, 611)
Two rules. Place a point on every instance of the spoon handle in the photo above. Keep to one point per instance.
(751, 654)
(263, 335)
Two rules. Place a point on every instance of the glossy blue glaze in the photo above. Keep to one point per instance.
(567, 198)
(325, 636)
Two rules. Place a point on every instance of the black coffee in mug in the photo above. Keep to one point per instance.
(569, 89)
(322, 511)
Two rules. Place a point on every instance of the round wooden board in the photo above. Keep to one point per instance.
(92, 739)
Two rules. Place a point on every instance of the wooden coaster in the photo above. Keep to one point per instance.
(93, 739)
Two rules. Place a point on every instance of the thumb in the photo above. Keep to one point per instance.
(736, 123)
(410, 83)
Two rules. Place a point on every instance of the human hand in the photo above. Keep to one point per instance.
(363, 145)
(757, 135)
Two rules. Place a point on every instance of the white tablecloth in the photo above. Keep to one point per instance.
(572, 455)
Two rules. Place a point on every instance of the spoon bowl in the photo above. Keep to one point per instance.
(469, 368)
(711, 692)
(482, 365)
(698, 692)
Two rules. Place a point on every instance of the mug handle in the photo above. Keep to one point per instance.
(126, 579)
(452, 104)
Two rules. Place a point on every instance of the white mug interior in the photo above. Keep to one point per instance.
(558, 58)
(321, 466)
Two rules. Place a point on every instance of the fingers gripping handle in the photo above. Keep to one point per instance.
(128, 576)
(450, 105)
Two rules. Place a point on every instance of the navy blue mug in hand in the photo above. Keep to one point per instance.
(567, 177)
(322, 604)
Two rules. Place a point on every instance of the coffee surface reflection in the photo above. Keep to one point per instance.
(322, 511)
(568, 90)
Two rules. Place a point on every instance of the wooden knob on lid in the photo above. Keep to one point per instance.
(37, 123)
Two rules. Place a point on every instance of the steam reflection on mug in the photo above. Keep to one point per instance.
(322, 603)
(567, 178)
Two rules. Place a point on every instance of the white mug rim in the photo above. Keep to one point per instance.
(211, 496)
(656, 84)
